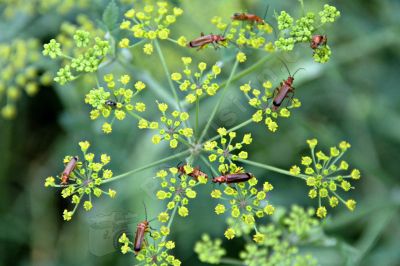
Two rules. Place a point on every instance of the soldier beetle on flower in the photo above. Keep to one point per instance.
(69, 168)
(141, 229)
(318, 41)
(196, 173)
(284, 90)
(233, 178)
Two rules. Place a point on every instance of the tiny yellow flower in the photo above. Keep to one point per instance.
(351, 204)
(163, 217)
(312, 143)
(67, 215)
(170, 245)
(230, 233)
(321, 212)
(183, 211)
(219, 209)
(355, 174)
(84, 145)
(269, 209)
(139, 85)
(176, 76)
(259, 238)
(87, 205)
(241, 57)
(148, 48)
(295, 170)
(124, 43)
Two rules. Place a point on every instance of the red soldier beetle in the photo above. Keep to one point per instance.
(207, 39)
(69, 168)
(284, 90)
(318, 41)
(233, 178)
(141, 229)
(248, 17)
(196, 173)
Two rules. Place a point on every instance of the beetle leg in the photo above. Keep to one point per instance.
(291, 98)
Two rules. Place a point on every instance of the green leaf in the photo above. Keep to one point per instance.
(110, 15)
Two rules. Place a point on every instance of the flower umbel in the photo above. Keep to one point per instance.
(84, 181)
(325, 176)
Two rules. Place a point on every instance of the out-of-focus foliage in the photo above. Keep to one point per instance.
(354, 97)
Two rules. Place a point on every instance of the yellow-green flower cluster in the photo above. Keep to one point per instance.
(19, 72)
(151, 22)
(300, 221)
(92, 51)
(67, 34)
(209, 251)
(226, 152)
(246, 35)
(197, 82)
(154, 252)
(172, 128)
(12, 8)
(84, 181)
(274, 244)
(115, 100)
(303, 29)
(324, 174)
(244, 202)
(262, 100)
(177, 188)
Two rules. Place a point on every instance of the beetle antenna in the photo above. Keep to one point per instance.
(266, 12)
(226, 29)
(286, 67)
(298, 71)
(145, 210)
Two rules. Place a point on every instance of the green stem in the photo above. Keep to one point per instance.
(219, 101)
(171, 85)
(146, 166)
(209, 165)
(197, 117)
(166, 70)
(272, 168)
(135, 115)
(231, 261)
(136, 43)
(170, 220)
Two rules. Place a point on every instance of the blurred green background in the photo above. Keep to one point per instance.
(354, 97)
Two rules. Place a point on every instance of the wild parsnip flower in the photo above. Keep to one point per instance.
(197, 81)
(262, 100)
(325, 176)
(243, 202)
(226, 152)
(19, 73)
(84, 181)
(92, 51)
(302, 30)
(329, 14)
(209, 251)
(301, 221)
(153, 252)
(278, 243)
(322, 54)
(116, 100)
(244, 35)
(178, 188)
(171, 127)
(151, 22)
